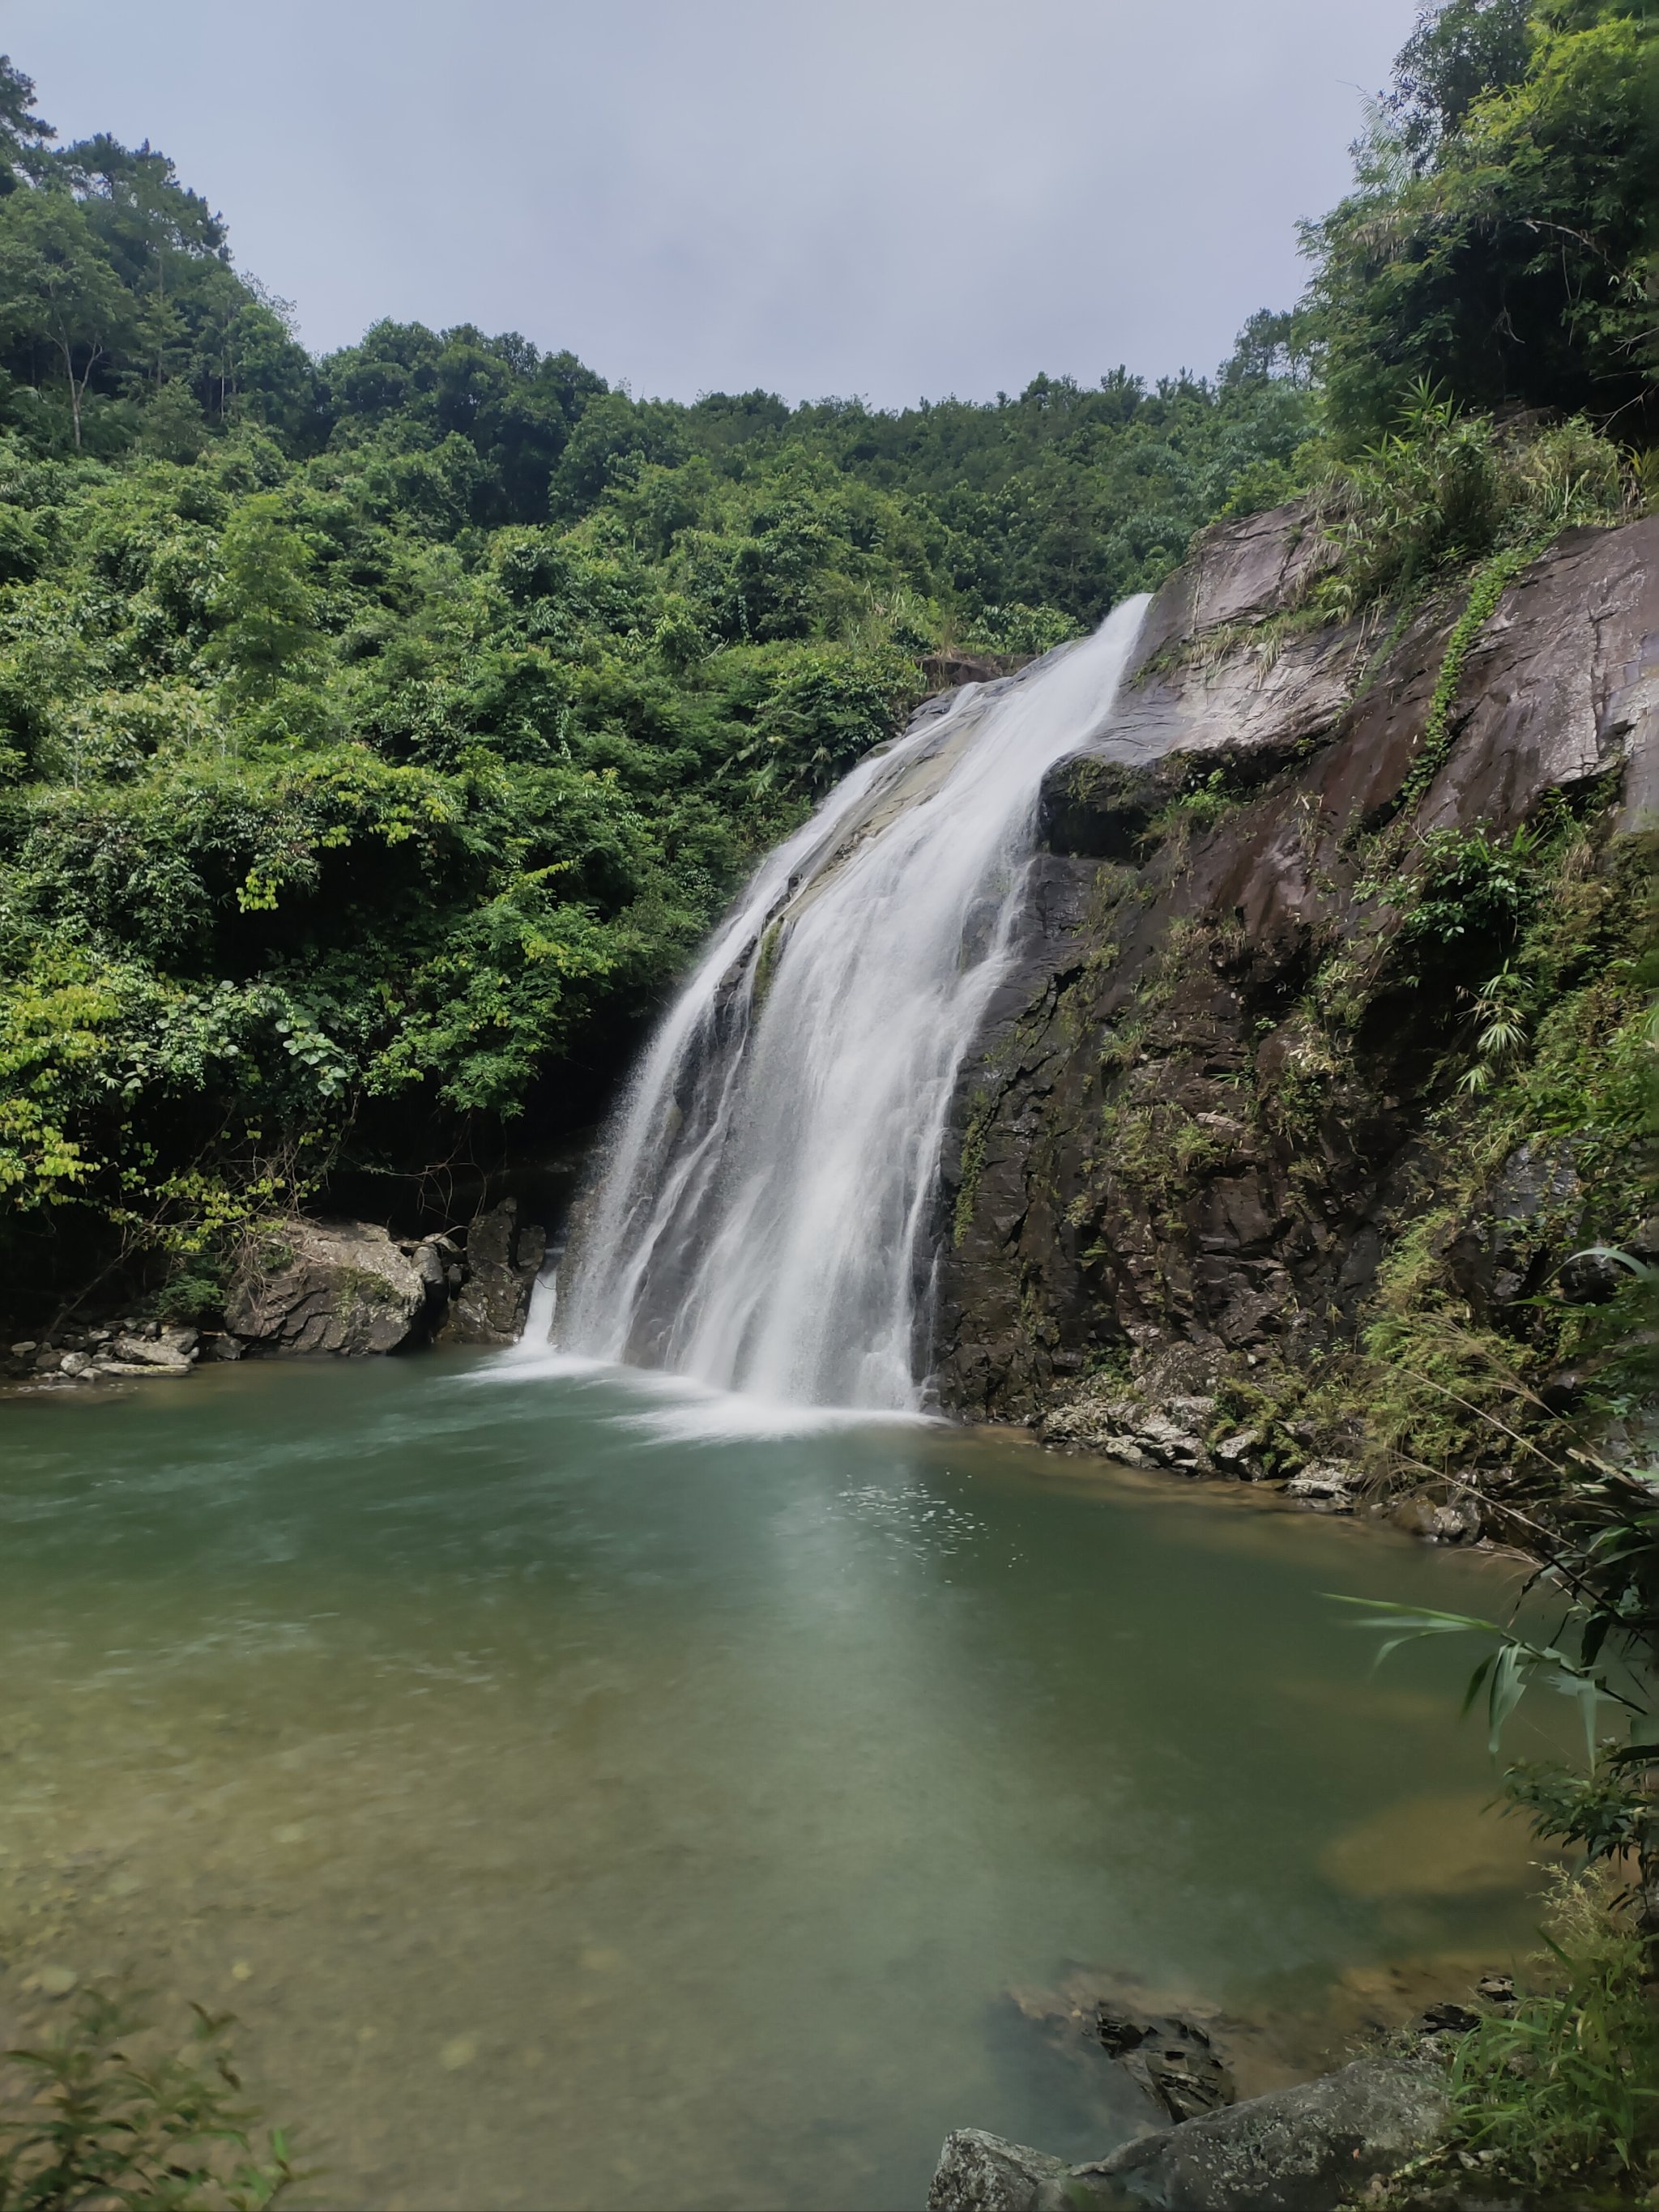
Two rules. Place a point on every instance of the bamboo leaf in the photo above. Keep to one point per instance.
(1475, 1681)
(1588, 1692)
(1508, 1684)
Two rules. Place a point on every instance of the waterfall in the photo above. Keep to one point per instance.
(765, 1217)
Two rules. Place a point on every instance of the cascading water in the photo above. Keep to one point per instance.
(764, 1219)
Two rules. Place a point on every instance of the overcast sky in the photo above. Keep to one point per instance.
(889, 198)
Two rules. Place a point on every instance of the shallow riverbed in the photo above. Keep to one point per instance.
(585, 1797)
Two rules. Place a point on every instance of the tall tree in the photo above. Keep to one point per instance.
(24, 136)
(57, 293)
(1498, 243)
(1459, 53)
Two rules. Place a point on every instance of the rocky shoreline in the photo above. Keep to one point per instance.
(1300, 2150)
(1166, 1422)
(328, 1288)
(1219, 2123)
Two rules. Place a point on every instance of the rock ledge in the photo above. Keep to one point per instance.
(1301, 2150)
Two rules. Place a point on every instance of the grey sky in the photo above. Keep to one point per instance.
(911, 197)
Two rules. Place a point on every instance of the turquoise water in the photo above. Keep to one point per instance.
(585, 1797)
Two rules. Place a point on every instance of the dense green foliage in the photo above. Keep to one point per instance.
(122, 322)
(1555, 2094)
(379, 732)
(1499, 242)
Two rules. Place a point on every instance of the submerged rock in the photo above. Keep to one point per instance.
(334, 1287)
(1293, 2150)
(1172, 2059)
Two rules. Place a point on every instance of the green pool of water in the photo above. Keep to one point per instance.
(586, 1798)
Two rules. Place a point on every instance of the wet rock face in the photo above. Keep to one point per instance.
(350, 1288)
(167, 1348)
(502, 1259)
(324, 1286)
(1149, 1151)
(1533, 1204)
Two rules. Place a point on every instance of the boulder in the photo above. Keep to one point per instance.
(1171, 1442)
(1122, 1448)
(1302, 2149)
(503, 1258)
(950, 670)
(335, 1286)
(1131, 1430)
(1458, 1523)
(1592, 1276)
(1089, 1424)
(148, 1349)
(1238, 1454)
(1325, 1482)
(982, 2173)
(168, 1348)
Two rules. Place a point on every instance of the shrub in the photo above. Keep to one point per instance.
(88, 2123)
(1445, 488)
(1561, 2093)
(1470, 892)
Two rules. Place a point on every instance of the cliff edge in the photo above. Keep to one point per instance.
(1326, 925)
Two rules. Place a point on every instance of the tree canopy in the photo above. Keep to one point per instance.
(1500, 241)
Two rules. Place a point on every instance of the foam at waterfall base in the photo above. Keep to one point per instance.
(523, 1362)
(690, 1412)
(674, 1409)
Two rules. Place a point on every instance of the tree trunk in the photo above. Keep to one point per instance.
(75, 395)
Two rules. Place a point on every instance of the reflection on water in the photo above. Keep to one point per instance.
(593, 1794)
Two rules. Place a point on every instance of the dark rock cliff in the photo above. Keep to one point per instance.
(1206, 1104)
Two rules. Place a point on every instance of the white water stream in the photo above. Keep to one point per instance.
(765, 1217)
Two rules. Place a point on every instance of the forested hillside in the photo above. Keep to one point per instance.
(379, 732)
